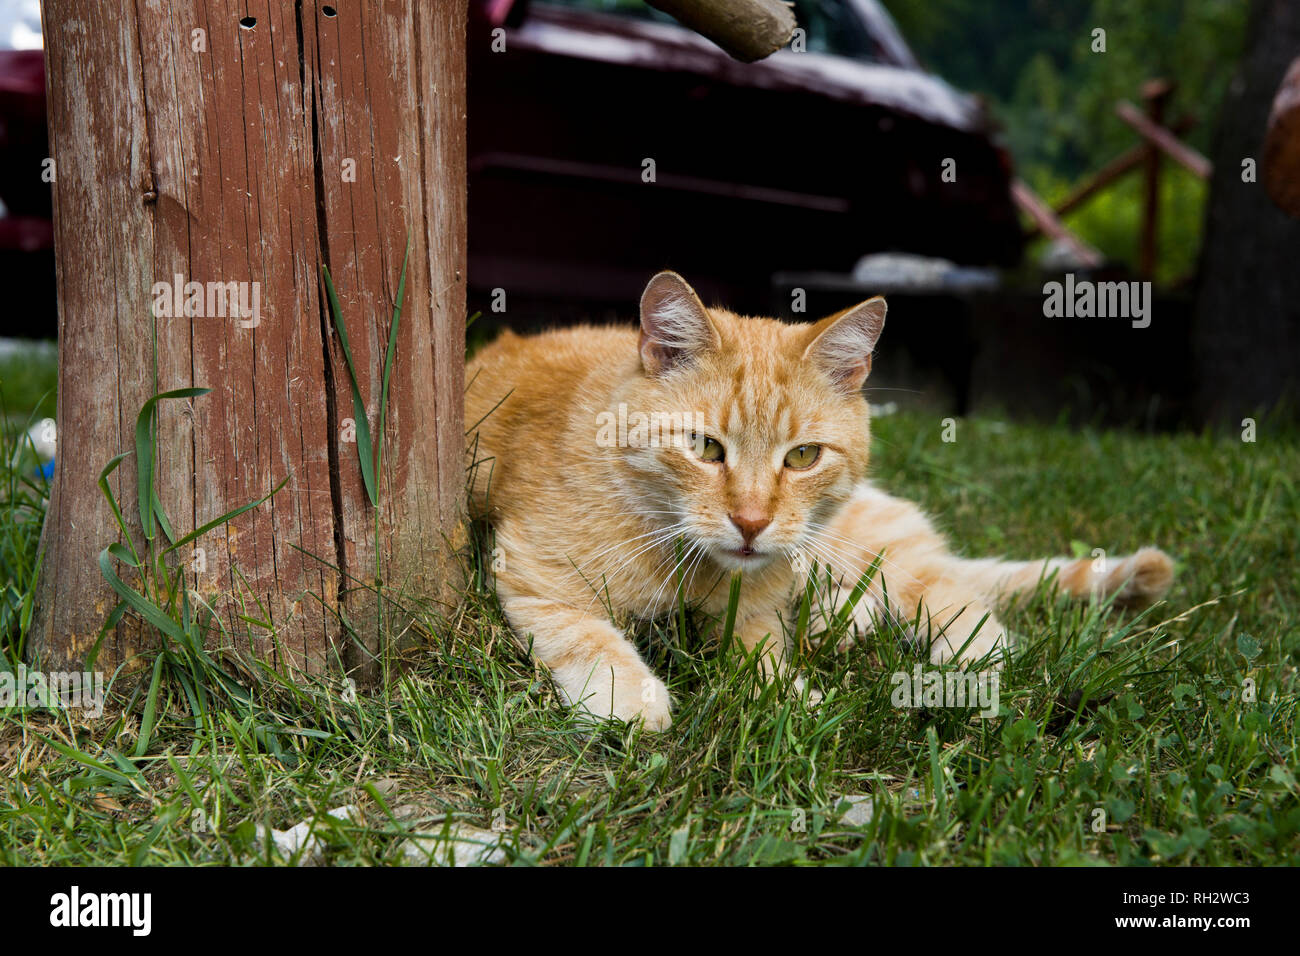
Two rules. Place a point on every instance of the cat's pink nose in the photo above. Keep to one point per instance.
(750, 521)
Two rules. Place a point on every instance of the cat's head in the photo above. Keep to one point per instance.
(774, 433)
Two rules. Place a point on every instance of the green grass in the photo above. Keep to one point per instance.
(28, 380)
(1184, 769)
(28, 383)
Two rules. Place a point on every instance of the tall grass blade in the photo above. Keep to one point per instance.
(150, 506)
(364, 448)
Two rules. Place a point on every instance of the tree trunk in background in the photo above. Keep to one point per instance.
(253, 142)
(1246, 338)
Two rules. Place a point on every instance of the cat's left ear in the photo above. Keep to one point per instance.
(841, 344)
(675, 326)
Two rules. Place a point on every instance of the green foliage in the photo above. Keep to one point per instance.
(1033, 60)
(28, 379)
(372, 463)
(159, 595)
(1112, 219)
(23, 495)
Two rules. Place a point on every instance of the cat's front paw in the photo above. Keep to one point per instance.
(815, 697)
(624, 694)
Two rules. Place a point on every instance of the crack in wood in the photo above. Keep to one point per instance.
(322, 230)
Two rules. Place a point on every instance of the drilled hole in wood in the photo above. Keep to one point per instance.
(248, 22)
(329, 11)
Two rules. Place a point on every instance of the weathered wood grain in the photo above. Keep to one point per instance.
(208, 140)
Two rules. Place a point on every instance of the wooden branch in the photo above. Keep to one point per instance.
(1281, 163)
(1046, 220)
(1163, 140)
(748, 30)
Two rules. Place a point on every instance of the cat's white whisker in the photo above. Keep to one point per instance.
(822, 532)
(846, 571)
(661, 536)
(699, 563)
(670, 577)
(628, 541)
(611, 573)
(625, 542)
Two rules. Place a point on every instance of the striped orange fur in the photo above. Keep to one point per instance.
(613, 463)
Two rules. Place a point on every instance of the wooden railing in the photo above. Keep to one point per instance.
(1158, 140)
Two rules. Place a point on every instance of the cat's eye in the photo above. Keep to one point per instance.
(803, 456)
(706, 448)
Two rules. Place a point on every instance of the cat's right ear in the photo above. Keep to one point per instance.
(841, 344)
(675, 326)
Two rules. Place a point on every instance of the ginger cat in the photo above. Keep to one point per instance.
(612, 464)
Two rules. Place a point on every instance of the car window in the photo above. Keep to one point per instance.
(831, 26)
(628, 8)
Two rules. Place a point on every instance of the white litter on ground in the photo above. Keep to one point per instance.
(860, 809)
(44, 439)
(461, 845)
(302, 841)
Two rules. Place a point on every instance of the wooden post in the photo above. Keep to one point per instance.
(1155, 92)
(252, 142)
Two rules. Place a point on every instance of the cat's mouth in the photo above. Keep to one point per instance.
(747, 556)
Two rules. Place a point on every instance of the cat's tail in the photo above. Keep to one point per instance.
(1135, 580)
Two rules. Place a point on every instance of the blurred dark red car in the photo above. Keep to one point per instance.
(804, 161)
(26, 232)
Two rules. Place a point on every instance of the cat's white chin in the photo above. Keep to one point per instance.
(738, 559)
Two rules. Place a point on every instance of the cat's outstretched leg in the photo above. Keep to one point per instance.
(1134, 581)
(953, 594)
(594, 666)
(923, 582)
(960, 628)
